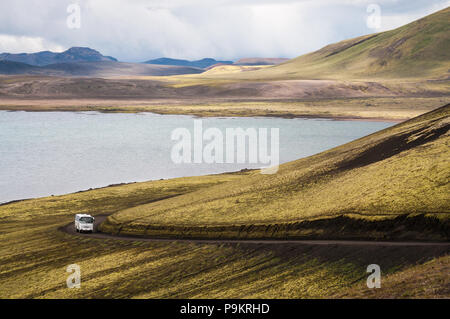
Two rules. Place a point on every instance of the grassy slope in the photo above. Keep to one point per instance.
(420, 281)
(420, 49)
(34, 255)
(400, 170)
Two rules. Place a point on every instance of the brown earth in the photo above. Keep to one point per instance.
(286, 98)
(37, 87)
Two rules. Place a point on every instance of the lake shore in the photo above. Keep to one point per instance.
(91, 139)
(128, 203)
(385, 109)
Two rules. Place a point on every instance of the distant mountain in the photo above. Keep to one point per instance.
(95, 69)
(203, 63)
(74, 54)
(12, 67)
(260, 61)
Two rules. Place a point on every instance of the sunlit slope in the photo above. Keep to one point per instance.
(401, 170)
(418, 49)
(34, 255)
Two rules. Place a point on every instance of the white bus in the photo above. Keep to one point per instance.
(84, 223)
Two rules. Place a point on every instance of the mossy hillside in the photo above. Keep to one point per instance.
(402, 170)
(34, 255)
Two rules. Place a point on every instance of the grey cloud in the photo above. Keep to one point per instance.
(225, 29)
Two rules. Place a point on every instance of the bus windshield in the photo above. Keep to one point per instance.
(89, 220)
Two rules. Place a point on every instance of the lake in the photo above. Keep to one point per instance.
(53, 153)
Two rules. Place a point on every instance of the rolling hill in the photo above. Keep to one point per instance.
(420, 49)
(392, 184)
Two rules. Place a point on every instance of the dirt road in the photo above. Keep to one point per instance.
(70, 229)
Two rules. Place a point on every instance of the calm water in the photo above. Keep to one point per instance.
(47, 153)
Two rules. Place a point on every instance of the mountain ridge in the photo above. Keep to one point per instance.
(43, 58)
(94, 69)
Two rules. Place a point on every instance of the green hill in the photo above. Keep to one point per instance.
(418, 49)
(390, 184)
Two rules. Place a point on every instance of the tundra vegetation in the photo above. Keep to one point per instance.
(392, 184)
(409, 177)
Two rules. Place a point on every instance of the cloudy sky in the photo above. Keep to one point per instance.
(138, 30)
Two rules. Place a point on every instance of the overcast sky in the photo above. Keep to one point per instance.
(138, 30)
